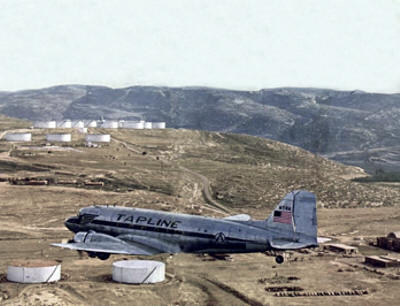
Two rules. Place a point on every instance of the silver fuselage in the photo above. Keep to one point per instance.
(188, 233)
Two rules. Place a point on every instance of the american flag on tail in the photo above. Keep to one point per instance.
(283, 216)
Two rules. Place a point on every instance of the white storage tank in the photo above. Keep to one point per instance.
(77, 124)
(19, 137)
(65, 124)
(82, 130)
(158, 125)
(44, 124)
(58, 137)
(91, 123)
(138, 271)
(34, 271)
(98, 138)
(148, 125)
(133, 125)
(110, 125)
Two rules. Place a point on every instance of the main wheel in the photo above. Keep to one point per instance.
(103, 256)
(279, 259)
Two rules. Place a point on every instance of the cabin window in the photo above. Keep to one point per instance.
(86, 218)
(277, 213)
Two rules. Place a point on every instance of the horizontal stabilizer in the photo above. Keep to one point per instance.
(241, 217)
(287, 245)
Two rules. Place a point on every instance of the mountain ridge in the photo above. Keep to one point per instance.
(323, 121)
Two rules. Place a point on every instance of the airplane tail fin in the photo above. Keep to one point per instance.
(296, 213)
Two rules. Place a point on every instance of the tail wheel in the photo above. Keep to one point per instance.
(279, 259)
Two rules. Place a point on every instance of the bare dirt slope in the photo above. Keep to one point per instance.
(170, 170)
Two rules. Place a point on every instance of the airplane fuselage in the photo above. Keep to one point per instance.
(105, 230)
(190, 232)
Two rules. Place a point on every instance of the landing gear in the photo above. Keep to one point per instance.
(279, 256)
(279, 259)
(101, 256)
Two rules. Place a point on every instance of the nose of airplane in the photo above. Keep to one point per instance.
(72, 223)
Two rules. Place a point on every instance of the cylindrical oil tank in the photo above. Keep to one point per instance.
(34, 271)
(98, 138)
(110, 125)
(65, 124)
(148, 125)
(138, 271)
(17, 137)
(77, 124)
(82, 130)
(121, 123)
(91, 123)
(58, 137)
(44, 124)
(133, 125)
(158, 125)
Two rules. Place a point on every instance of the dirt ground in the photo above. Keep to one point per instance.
(31, 218)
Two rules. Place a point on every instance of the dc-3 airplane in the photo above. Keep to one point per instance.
(104, 230)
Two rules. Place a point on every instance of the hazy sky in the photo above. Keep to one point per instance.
(231, 44)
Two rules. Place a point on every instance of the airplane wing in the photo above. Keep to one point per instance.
(123, 244)
(81, 246)
(287, 245)
(241, 217)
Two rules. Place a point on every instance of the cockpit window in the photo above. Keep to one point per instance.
(86, 218)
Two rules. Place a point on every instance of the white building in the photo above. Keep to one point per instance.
(110, 125)
(58, 137)
(91, 123)
(19, 137)
(77, 124)
(65, 124)
(98, 138)
(44, 124)
(158, 125)
(133, 125)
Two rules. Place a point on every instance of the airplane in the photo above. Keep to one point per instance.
(104, 230)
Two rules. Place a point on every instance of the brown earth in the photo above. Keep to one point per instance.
(246, 175)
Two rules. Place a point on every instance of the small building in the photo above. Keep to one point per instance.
(77, 124)
(148, 125)
(382, 261)
(91, 138)
(390, 242)
(138, 125)
(90, 123)
(58, 137)
(19, 137)
(158, 125)
(341, 248)
(44, 124)
(65, 124)
(110, 125)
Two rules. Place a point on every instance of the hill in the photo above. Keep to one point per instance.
(345, 126)
(198, 172)
(241, 172)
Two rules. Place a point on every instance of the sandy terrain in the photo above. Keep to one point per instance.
(31, 217)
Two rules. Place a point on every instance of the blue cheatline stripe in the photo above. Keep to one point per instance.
(165, 230)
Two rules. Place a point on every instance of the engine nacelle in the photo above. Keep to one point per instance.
(93, 237)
